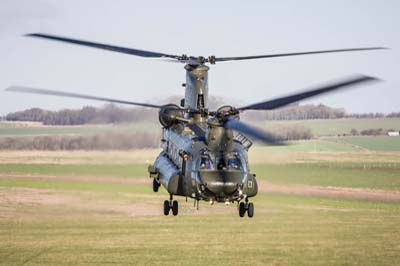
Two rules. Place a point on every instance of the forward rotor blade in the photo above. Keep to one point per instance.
(76, 95)
(223, 59)
(252, 132)
(113, 48)
(282, 101)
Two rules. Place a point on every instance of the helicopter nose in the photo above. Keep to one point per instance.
(224, 182)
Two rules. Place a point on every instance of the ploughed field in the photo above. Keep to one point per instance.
(314, 207)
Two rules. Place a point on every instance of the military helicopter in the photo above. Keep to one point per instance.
(204, 152)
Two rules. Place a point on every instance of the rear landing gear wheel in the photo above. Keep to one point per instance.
(156, 185)
(250, 209)
(171, 205)
(166, 207)
(242, 209)
(175, 208)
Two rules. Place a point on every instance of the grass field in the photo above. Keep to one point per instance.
(27, 129)
(313, 208)
(383, 176)
(333, 127)
(378, 143)
(343, 144)
(287, 230)
(352, 175)
(316, 145)
(319, 127)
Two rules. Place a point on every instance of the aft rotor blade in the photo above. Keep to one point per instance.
(76, 95)
(282, 101)
(252, 132)
(108, 47)
(223, 59)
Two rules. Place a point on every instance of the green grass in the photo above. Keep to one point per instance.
(56, 221)
(71, 185)
(333, 127)
(131, 170)
(378, 143)
(8, 130)
(320, 145)
(319, 127)
(342, 144)
(354, 175)
(31, 131)
(286, 230)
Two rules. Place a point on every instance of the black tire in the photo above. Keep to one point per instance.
(156, 185)
(166, 207)
(250, 210)
(242, 209)
(175, 208)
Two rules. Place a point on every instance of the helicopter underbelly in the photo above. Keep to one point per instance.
(221, 182)
(226, 185)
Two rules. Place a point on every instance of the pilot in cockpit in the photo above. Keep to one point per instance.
(233, 161)
(206, 162)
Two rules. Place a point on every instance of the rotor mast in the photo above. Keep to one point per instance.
(196, 87)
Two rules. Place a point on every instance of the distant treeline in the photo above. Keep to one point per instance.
(114, 114)
(292, 132)
(108, 114)
(371, 132)
(305, 112)
(87, 115)
(374, 115)
(311, 111)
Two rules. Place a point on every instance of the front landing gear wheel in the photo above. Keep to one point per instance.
(250, 209)
(156, 185)
(175, 208)
(242, 209)
(166, 207)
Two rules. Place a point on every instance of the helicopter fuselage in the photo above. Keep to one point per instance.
(187, 167)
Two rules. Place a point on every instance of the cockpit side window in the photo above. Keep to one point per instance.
(233, 161)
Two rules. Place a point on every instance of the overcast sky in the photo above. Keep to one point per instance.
(221, 28)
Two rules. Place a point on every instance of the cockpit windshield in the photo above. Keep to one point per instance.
(233, 161)
(206, 162)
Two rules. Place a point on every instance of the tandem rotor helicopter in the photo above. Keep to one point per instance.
(204, 152)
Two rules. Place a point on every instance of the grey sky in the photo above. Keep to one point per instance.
(222, 28)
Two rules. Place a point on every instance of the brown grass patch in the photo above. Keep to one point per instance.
(28, 202)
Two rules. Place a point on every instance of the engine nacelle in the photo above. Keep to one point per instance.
(169, 174)
(168, 115)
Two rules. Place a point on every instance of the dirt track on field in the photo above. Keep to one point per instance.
(30, 203)
(264, 187)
